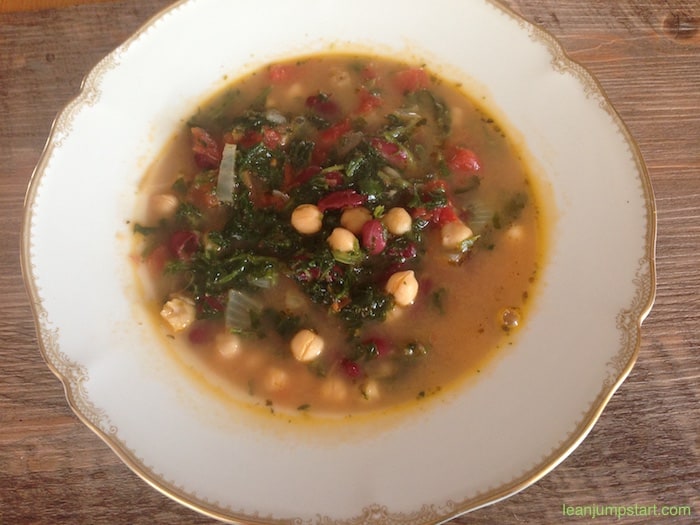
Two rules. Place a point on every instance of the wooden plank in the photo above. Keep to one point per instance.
(13, 6)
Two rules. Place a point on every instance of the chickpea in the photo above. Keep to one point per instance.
(306, 345)
(179, 312)
(370, 390)
(228, 344)
(403, 286)
(164, 205)
(455, 233)
(294, 300)
(509, 318)
(515, 233)
(342, 240)
(275, 380)
(397, 221)
(307, 219)
(354, 218)
(334, 389)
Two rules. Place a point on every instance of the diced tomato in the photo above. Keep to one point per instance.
(271, 138)
(330, 136)
(394, 155)
(183, 244)
(157, 259)
(203, 195)
(445, 215)
(333, 179)
(281, 73)
(206, 151)
(435, 184)
(341, 199)
(250, 138)
(412, 79)
(287, 177)
(274, 200)
(368, 72)
(213, 303)
(436, 216)
(368, 101)
(307, 174)
(462, 160)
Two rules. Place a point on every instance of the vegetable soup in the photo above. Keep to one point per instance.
(338, 234)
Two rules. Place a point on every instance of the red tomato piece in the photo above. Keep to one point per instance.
(330, 136)
(203, 195)
(271, 138)
(307, 174)
(368, 101)
(412, 79)
(214, 303)
(206, 151)
(462, 160)
(445, 215)
(281, 73)
(250, 138)
(157, 259)
(333, 179)
(369, 72)
(268, 200)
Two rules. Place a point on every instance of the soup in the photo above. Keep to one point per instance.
(338, 234)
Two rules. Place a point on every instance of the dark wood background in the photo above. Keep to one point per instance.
(644, 450)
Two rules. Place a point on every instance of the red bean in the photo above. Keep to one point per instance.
(183, 244)
(381, 345)
(322, 104)
(391, 152)
(206, 151)
(341, 199)
(351, 368)
(374, 236)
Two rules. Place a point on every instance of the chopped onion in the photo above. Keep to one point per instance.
(480, 216)
(240, 310)
(263, 282)
(226, 182)
(275, 116)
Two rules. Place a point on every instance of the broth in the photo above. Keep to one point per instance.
(339, 234)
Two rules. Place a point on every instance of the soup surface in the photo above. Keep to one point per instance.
(339, 234)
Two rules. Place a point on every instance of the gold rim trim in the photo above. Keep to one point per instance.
(73, 376)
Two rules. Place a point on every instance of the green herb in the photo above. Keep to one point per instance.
(144, 230)
(180, 186)
(438, 299)
(188, 214)
(415, 349)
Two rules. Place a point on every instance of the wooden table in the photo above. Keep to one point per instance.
(646, 447)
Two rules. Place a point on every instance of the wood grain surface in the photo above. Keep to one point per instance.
(645, 449)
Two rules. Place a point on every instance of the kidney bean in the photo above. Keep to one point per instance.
(183, 244)
(374, 236)
(341, 199)
(351, 368)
